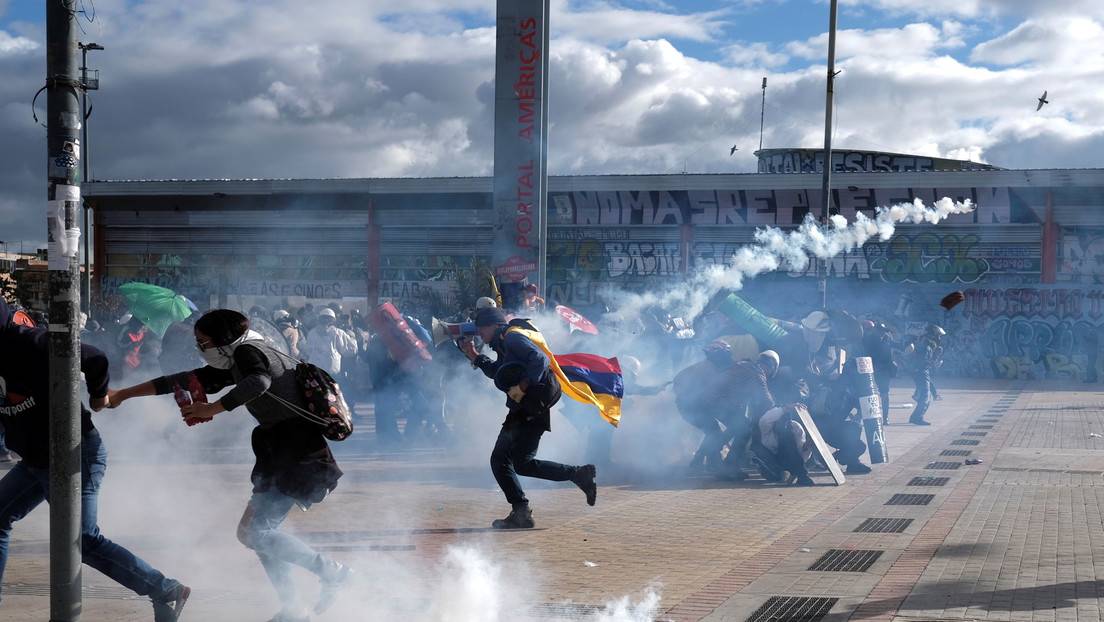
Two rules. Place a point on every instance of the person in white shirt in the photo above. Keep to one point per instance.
(327, 343)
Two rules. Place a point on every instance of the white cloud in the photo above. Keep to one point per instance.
(1072, 39)
(11, 45)
(910, 41)
(754, 55)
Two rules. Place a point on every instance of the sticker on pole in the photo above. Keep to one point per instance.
(61, 227)
(515, 269)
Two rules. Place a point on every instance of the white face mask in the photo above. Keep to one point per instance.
(222, 357)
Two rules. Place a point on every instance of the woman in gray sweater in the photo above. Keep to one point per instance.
(294, 465)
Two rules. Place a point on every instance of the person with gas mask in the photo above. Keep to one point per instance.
(294, 465)
(522, 371)
(25, 412)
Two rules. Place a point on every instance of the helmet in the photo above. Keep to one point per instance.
(772, 356)
(935, 329)
(485, 303)
(280, 314)
(631, 364)
(719, 353)
(327, 312)
(868, 325)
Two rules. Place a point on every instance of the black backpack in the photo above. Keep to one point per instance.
(326, 405)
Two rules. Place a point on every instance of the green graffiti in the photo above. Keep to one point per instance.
(930, 258)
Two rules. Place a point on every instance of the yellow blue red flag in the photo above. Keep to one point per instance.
(586, 378)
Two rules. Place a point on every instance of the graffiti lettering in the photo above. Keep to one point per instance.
(757, 206)
(929, 258)
(643, 259)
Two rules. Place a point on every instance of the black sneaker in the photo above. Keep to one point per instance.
(521, 517)
(336, 577)
(805, 480)
(584, 479)
(918, 422)
(857, 468)
(168, 608)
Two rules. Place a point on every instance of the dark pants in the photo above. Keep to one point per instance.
(883, 383)
(922, 377)
(738, 433)
(845, 436)
(789, 454)
(515, 453)
(24, 487)
(388, 403)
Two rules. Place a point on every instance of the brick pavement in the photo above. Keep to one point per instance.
(1021, 529)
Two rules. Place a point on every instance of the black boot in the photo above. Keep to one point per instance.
(167, 608)
(584, 479)
(857, 468)
(918, 421)
(521, 517)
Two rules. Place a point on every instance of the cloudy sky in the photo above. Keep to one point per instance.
(333, 88)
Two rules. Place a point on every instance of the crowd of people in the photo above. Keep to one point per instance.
(759, 409)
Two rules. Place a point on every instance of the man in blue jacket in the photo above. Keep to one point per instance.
(25, 411)
(522, 370)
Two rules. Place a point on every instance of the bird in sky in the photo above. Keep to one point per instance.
(1042, 101)
(733, 150)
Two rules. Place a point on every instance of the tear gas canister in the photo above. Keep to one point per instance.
(747, 317)
(870, 406)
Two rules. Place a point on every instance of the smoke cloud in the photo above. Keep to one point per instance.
(776, 249)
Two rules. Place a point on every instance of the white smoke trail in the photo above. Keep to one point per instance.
(776, 249)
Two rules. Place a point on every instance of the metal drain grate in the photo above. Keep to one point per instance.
(974, 433)
(793, 609)
(564, 611)
(903, 499)
(981, 427)
(963, 441)
(884, 525)
(943, 466)
(843, 560)
(955, 452)
(929, 481)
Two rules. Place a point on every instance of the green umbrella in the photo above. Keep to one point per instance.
(156, 307)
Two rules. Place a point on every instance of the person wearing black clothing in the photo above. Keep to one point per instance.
(24, 410)
(522, 371)
(878, 345)
(294, 465)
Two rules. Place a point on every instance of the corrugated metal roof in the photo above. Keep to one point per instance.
(412, 185)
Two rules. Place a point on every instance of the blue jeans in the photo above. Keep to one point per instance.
(25, 487)
(922, 377)
(259, 530)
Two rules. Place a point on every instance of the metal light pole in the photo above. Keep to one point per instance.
(89, 85)
(762, 113)
(826, 183)
(63, 123)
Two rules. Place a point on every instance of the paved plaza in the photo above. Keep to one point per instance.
(924, 537)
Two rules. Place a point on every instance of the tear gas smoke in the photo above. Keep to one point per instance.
(776, 249)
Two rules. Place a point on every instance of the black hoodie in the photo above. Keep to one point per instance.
(25, 388)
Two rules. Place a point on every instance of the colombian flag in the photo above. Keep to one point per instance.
(586, 378)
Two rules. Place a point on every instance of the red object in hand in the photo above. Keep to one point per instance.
(193, 395)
